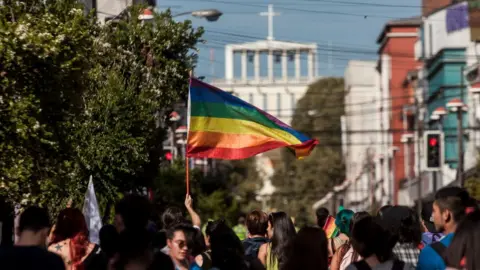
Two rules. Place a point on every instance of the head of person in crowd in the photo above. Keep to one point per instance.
(463, 251)
(227, 249)
(257, 224)
(369, 239)
(309, 250)
(358, 216)
(109, 240)
(403, 224)
(134, 250)
(33, 227)
(281, 232)
(241, 219)
(321, 214)
(178, 243)
(172, 216)
(70, 224)
(132, 213)
(343, 221)
(427, 217)
(196, 240)
(449, 208)
(382, 210)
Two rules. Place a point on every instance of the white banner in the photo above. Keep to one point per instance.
(92, 213)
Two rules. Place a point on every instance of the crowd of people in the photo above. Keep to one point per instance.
(446, 235)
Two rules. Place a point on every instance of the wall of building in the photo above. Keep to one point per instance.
(435, 35)
(361, 117)
(400, 50)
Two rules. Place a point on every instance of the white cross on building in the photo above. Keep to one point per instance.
(270, 15)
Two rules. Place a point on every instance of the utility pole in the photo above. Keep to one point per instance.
(460, 134)
(419, 129)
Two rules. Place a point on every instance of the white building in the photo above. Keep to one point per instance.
(259, 83)
(360, 138)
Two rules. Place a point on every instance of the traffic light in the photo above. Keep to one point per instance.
(434, 150)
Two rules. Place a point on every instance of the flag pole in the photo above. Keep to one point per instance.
(187, 163)
(187, 175)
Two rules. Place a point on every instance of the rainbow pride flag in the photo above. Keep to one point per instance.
(330, 228)
(222, 126)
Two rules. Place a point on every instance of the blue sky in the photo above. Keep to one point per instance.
(350, 26)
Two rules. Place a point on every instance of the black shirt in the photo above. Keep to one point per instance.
(26, 258)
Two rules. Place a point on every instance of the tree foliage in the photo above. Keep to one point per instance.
(80, 99)
(302, 182)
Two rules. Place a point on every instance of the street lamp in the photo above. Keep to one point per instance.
(457, 106)
(211, 15)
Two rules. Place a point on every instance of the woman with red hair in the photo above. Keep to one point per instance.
(70, 240)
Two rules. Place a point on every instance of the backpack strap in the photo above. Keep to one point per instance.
(398, 265)
(362, 265)
(440, 249)
(332, 245)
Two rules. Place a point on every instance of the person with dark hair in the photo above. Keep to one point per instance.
(257, 223)
(449, 209)
(430, 234)
(322, 214)
(173, 216)
(178, 246)
(109, 240)
(132, 213)
(281, 232)
(30, 251)
(404, 226)
(309, 250)
(462, 254)
(240, 229)
(227, 249)
(374, 244)
(135, 252)
(345, 254)
(204, 259)
(382, 210)
(70, 241)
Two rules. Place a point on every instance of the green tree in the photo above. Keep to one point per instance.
(302, 182)
(79, 99)
(45, 55)
(144, 71)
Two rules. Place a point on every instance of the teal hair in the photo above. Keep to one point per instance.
(343, 221)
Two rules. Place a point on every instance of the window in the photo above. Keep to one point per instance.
(279, 104)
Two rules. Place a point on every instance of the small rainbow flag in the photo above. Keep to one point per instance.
(223, 126)
(330, 228)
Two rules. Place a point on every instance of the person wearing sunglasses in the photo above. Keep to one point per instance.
(177, 242)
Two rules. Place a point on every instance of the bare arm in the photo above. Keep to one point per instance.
(195, 217)
(262, 254)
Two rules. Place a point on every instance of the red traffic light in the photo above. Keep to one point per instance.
(168, 156)
(433, 142)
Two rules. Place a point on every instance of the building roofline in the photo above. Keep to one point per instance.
(407, 22)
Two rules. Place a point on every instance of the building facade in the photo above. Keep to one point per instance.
(272, 75)
(449, 52)
(360, 138)
(396, 108)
